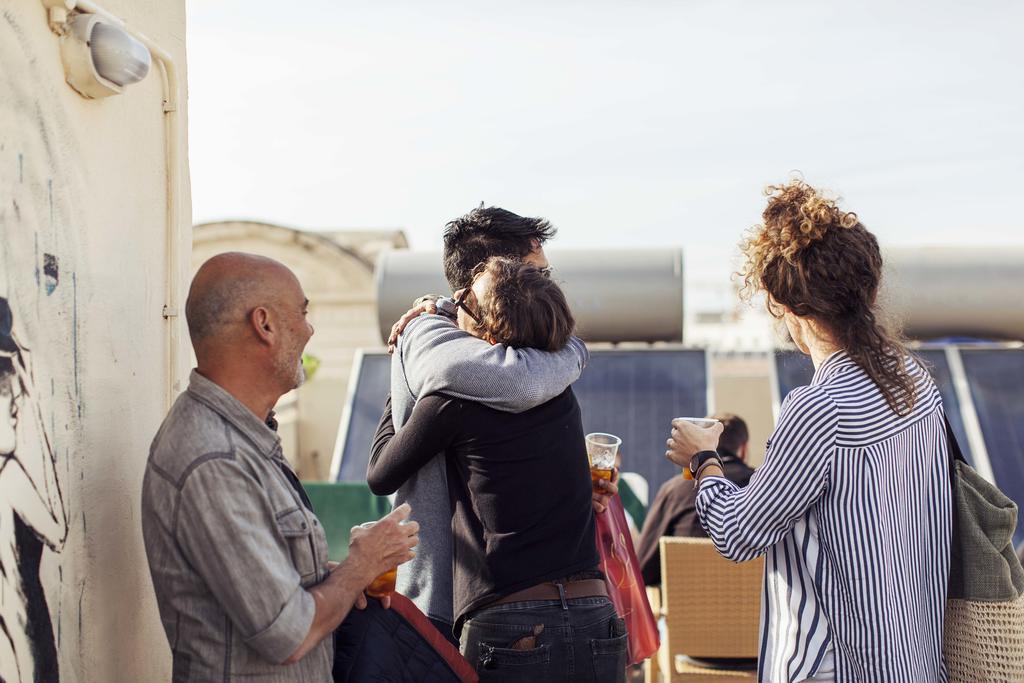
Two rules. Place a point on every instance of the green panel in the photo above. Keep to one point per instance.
(632, 504)
(341, 506)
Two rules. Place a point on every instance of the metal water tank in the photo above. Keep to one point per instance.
(616, 295)
(955, 291)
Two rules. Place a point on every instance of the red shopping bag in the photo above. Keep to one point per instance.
(625, 583)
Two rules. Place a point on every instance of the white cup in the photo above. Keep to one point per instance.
(704, 422)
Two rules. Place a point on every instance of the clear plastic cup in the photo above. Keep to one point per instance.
(601, 450)
(384, 584)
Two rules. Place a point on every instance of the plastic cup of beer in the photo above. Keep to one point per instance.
(705, 423)
(384, 584)
(601, 450)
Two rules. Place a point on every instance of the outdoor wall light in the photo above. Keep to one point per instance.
(100, 58)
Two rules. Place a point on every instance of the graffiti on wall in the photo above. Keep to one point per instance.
(40, 405)
(31, 514)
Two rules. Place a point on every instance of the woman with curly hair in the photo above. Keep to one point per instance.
(851, 507)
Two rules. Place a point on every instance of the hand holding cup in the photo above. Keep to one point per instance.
(601, 451)
(382, 546)
(689, 436)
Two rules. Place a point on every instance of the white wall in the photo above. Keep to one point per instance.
(82, 186)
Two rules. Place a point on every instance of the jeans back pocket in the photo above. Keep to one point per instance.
(506, 664)
(610, 655)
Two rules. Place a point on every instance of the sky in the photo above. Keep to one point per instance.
(644, 124)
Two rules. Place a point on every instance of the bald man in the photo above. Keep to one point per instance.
(238, 559)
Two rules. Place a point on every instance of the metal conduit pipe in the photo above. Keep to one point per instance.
(57, 15)
(616, 296)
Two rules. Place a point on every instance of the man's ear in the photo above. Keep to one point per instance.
(743, 451)
(261, 323)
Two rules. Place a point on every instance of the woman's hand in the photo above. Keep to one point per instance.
(688, 439)
(424, 304)
(608, 489)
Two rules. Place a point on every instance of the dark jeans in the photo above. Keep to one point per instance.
(547, 640)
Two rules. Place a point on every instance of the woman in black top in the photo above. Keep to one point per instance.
(529, 602)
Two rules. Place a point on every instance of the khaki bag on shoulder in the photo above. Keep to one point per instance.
(984, 625)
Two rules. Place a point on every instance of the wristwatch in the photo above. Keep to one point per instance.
(699, 460)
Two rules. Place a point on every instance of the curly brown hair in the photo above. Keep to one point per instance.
(525, 308)
(820, 262)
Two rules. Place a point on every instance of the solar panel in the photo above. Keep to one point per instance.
(366, 403)
(794, 369)
(996, 378)
(633, 394)
(937, 362)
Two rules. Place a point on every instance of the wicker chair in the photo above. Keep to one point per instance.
(720, 619)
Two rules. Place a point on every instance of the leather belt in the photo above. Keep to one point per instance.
(587, 588)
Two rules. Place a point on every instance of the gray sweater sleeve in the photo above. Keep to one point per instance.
(438, 357)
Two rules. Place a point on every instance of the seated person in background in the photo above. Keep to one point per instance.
(530, 603)
(674, 511)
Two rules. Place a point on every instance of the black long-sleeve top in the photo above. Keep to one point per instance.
(519, 486)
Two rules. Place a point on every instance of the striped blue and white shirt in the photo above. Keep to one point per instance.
(852, 510)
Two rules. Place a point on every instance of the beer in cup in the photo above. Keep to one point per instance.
(601, 450)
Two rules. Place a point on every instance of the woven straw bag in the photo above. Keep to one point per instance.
(984, 625)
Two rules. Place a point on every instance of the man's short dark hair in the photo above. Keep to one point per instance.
(485, 232)
(735, 433)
